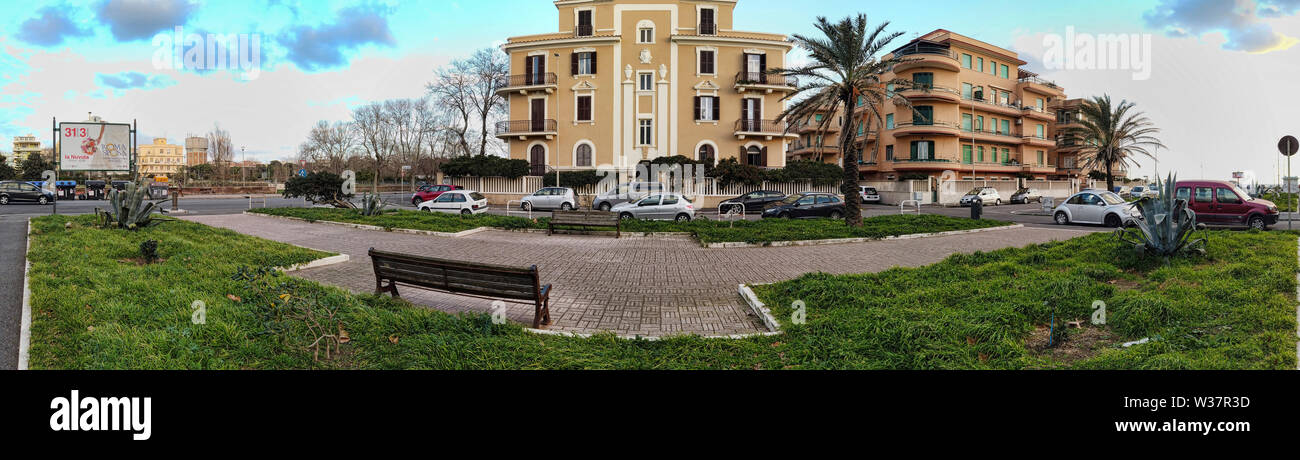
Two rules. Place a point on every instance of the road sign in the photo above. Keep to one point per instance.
(302, 173)
(1288, 145)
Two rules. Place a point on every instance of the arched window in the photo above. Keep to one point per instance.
(584, 155)
(707, 155)
(754, 156)
(538, 160)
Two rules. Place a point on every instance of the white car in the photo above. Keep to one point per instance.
(463, 202)
(869, 194)
(668, 206)
(561, 198)
(987, 195)
(1096, 207)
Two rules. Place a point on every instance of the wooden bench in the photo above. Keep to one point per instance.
(464, 278)
(585, 219)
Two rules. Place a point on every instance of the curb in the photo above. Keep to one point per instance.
(760, 309)
(1297, 315)
(331, 260)
(777, 244)
(374, 227)
(649, 338)
(25, 330)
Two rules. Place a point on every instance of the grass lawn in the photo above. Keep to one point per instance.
(95, 308)
(1286, 202)
(706, 231)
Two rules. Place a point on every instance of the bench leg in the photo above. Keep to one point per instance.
(391, 288)
(542, 315)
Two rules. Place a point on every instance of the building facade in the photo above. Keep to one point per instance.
(629, 80)
(160, 159)
(818, 138)
(974, 112)
(196, 151)
(24, 147)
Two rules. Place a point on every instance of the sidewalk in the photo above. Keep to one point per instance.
(13, 244)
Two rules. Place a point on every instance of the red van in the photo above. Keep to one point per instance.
(1220, 203)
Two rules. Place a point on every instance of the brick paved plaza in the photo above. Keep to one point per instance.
(631, 286)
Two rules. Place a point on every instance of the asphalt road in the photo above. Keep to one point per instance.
(13, 246)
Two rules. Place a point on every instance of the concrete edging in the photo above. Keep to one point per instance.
(25, 329)
(760, 309)
(322, 262)
(374, 227)
(649, 338)
(777, 244)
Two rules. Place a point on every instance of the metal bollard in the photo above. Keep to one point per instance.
(976, 208)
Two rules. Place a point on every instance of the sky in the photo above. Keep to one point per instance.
(1222, 84)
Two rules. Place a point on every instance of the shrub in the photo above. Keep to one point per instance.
(318, 188)
(817, 172)
(730, 171)
(485, 166)
(573, 179)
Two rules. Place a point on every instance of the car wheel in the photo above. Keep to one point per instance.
(997, 202)
(566, 207)
(1062, 219)
(527, 206)
(605, 206)
(836, 215)
(785, 215)
(626, 216)
(683, 217)
(1257, 222)
(415, 201)
(1113, 221)
(466, 212)
(4, 199)
(44, 200)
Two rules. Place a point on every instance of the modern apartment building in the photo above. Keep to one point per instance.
(160, 159)
(1068, 161)
(629, 80)
(818, 138)
(24, 147)
(975, 112)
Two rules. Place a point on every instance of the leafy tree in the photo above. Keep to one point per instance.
(730, 171)
(6, 172)
(485, 166)
(1111, 135)
(318, 188)
(844, 69)
(817, 172)
(33, 166)
(573, 179)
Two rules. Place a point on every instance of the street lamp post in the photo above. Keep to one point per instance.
(243, 164)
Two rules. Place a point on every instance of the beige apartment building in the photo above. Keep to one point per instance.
(818, 138)
(623, 81)
(979, 115)
(24, 147)
(160, 159)
(1068, 155)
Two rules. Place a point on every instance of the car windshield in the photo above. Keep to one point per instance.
(1112, 198)
(476, 196)
(1244, 196)
(974, 191)
(792, 199)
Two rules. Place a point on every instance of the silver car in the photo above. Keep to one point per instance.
(561, 198)
(667, 206)
(625, 193)
(1096, 207)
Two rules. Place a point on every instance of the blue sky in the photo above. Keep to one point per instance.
(318, 58)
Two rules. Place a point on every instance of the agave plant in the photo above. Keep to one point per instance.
(1167, 224)
(372, 205)
(128, 208)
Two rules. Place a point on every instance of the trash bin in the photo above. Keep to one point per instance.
(65, 189)
(158, 191)
(95, 189)
(120, 185)
(976, 208)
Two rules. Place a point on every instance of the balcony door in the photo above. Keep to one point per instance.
(537, 115)
(751, 114)
(537, 160)
(535, 70)
(756, 68)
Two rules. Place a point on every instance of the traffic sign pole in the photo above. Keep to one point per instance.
(1289, 146)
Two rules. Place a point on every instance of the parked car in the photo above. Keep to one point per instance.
(870, 195)
(1121, 190)
(753, 202)
(1096, 207)
(988, 195)
(667, 206)
(625, 193)
(562, 198)
(464, 202)
(807, 205)
(1142, 191)
(1026, 196)
(15, 192)
(429, 192)
(1221, 203)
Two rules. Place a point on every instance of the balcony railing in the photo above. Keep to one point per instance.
(811, 145)
(925, 50)
(1039, 81)
(708, 28)
(521, 81)
(525, 127)
(582, 30)
(764, 78)
(927, 88)
(1015, 105)
(921, 160)
(909, 124)
(760, 126)
(992, 132)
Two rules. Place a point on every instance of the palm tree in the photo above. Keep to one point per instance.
(844, 67)
(1111, 135)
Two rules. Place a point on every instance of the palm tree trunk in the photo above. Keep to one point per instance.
(1110, 178)
(852, 197)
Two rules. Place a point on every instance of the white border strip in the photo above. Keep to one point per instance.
(759, 308)
(777, 244)
(25, 331)
(649, 338)
(331, 260)
(374, 227)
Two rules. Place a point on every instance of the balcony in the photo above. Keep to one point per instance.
(1039, 169)
(816, 127)
(921, 128)
(918, 57)
(922, 164)
(523, 84)
(765, 82)
(1037, 113)
(991, 167)
(931, 93)
(1041, 86)
(1009, 108)
(523, 129)
(1038, 141)
(1005, 137)
(707, 28)
(803, 148)
(584, 30)
(766, 129)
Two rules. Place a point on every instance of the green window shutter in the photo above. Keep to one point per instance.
(914, 143)
(995, 155)
(981, 153)
(965, 153)
(967, 90)
(965, 122)
(965, 61)
(1006, 126)
(889, 121)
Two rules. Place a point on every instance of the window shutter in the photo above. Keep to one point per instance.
(593, 62)
(744, 112)
(528, 69)
(574, 64)
(697, 107)
(717, 108)
(744, 155)
(762, 157)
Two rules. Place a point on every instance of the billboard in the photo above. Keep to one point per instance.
(94, 147)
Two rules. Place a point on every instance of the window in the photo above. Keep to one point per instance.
(645, 35)
(1182, 193)
(967, 90)
(966, 152)
(1006, 127)
(706, 108)
(1005, 72)
(889, 90)
(995, 154)
(862, 100)
(993, 67)
(889, 153)
(708, 26)
(923, 80)
(980, 150)
(966, 121)
(1040, 157)
(981, 64)
(1040, 131)
(669, 199)
(889, 121)
(1006, 156)
(646, 81)
(923, 115)
(645, 132)
(584, 108)
(922, 150)
(966, 61)
(979, 123)
(584, 155)
(584, 28)
(754, 156)
(1227, 196)
(1038, 102)
(707, 155)
(584, 63)
(708, 60)
(823, 199)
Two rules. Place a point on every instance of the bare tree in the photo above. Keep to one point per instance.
(221, 149)
(453, 89)
(490, 69)
(376, 135)
(329, 144)
(412, 120)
